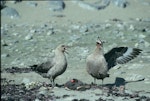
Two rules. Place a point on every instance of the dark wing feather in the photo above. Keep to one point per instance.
(121, 55)
(43, 67)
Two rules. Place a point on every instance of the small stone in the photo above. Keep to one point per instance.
(15, 34)
(142, 36)
(131, 27)
(84, 29)
(50, 32)
(120, 26)
(4, 43)
(33, 31)
(120, 3)
(76, 27)
(29, 37)
(144, 30)
(5, 55)
(37, 99)
(56, 5)
(138, 19)
(32, 4)
(136, 45)
(108, 25)
(10, 12)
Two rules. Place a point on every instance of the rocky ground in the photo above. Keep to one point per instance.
(29, 37)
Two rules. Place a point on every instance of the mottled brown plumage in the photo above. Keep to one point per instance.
(98, 63)
(55, 66)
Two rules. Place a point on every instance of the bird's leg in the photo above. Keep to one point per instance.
(52, 81)
(102, 83)
(102, 87)
(94, 81)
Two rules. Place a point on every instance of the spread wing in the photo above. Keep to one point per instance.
(121, 55)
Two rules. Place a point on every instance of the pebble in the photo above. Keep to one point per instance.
(121, 26)
(92, 6)
(120, 3)
(32, 4)
(5, 55)
(33, 31)
(10, 12)
(4, 43)
(131, 27)
(50, 32)
(29, 37)
(108, 25)
(83, 29)
(142, 36)
(37, 99)
(56, 5)
(15, 34)
(75, 27)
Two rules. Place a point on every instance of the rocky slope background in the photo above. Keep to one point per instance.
(31, 30)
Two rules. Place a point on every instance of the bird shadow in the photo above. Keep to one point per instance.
(121, 82)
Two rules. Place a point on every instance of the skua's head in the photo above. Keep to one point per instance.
(99, 43)
(63, 48)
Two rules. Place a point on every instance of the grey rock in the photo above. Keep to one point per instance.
(33, 31)
(56, 5)
(142, 36)
(29, 37)
(94, 6)
(131, 27)
(90, 6)
(14, 1)
(10, 12)
(120, 3)
(4, 43)
(75, 27)
(5, 55)
(32, 4)
(50, 32)
(83, 29)
(106, 2)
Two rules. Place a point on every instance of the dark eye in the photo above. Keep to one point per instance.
(63, 46)
(97, 43)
